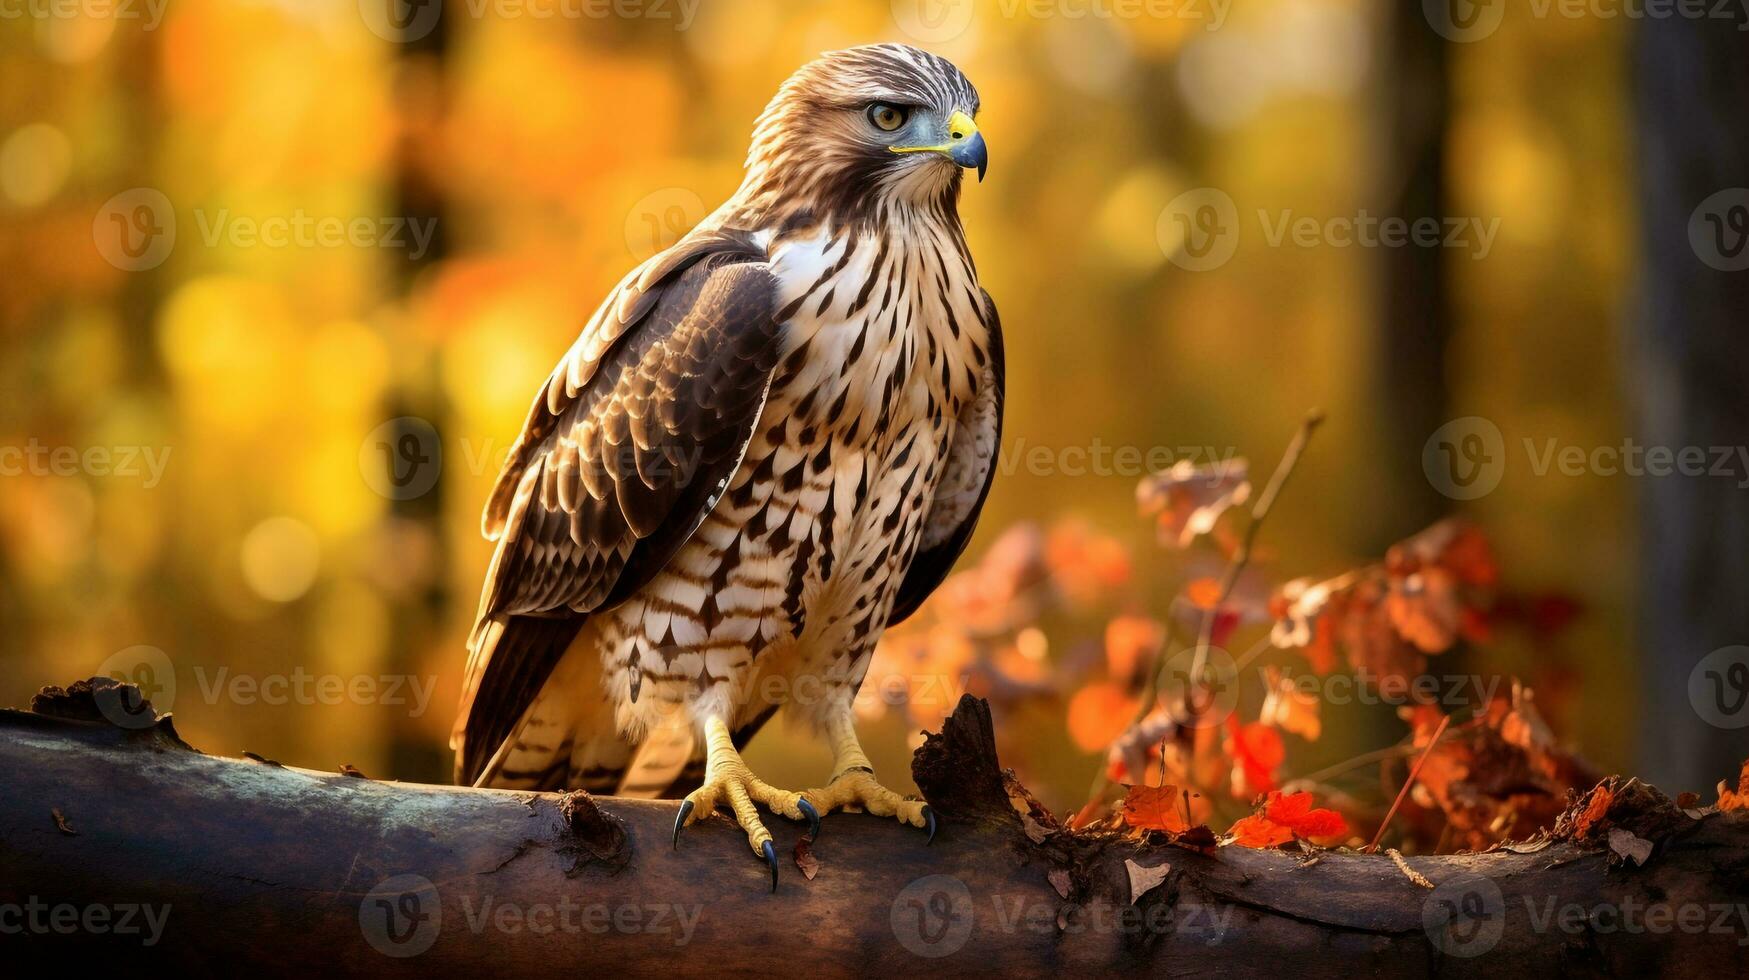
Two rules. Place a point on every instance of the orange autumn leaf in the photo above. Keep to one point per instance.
(1155, 808)
(1295, 811)
(1287, 707)
(1203, 593)
(1130, 642)
(1426, 610)
(1098, 714)
(1283, 817)
(1257, 751)
(1258, 831)
(1738, 799)
(1084, 565)
(1596, 805)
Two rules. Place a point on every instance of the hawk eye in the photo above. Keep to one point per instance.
(887, 118)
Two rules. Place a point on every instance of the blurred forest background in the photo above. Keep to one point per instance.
(327, 408)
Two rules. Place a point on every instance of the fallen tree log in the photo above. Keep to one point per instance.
(122, 846)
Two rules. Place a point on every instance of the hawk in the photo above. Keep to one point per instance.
(769, 443)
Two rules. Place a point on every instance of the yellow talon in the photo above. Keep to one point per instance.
(858, 789)
(728, 780)
(855, 785)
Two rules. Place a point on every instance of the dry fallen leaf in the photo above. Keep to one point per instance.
(1626, 846)
(805, 859)
(1059, 878)
(61, 823)
(1144, 879)
(1098, 714)
(348, 769)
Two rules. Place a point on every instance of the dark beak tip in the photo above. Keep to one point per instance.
(975, 153)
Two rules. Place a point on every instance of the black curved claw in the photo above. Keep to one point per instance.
(813, 816)
(680, 820)
(929, 818)
(771, 859)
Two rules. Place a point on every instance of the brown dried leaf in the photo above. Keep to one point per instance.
(61, 823)
(1144, 879)
(805, 859)
(1059, 879)
(1625, 845)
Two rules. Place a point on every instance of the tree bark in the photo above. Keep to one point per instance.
(253, 868)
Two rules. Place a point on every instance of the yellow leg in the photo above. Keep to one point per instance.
(853, 782)
(728, 780)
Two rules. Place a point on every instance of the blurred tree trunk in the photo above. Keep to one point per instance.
(1410, 392)
(419, 612)
(1691, 379)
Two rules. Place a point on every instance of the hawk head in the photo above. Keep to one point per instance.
(883, 125)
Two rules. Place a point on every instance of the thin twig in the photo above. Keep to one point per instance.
(1408, 872)
(1327, 773)
(1413, 775)
(1241, 558)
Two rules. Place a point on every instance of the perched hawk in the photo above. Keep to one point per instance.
(771, 441)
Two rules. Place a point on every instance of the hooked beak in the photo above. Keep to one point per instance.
(964, 145)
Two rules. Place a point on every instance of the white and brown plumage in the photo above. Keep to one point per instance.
(771, 441)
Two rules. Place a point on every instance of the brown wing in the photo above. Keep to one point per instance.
(964, 485)
(626, 450)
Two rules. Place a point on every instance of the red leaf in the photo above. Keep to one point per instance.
(1257, 751)
(1155, 808)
